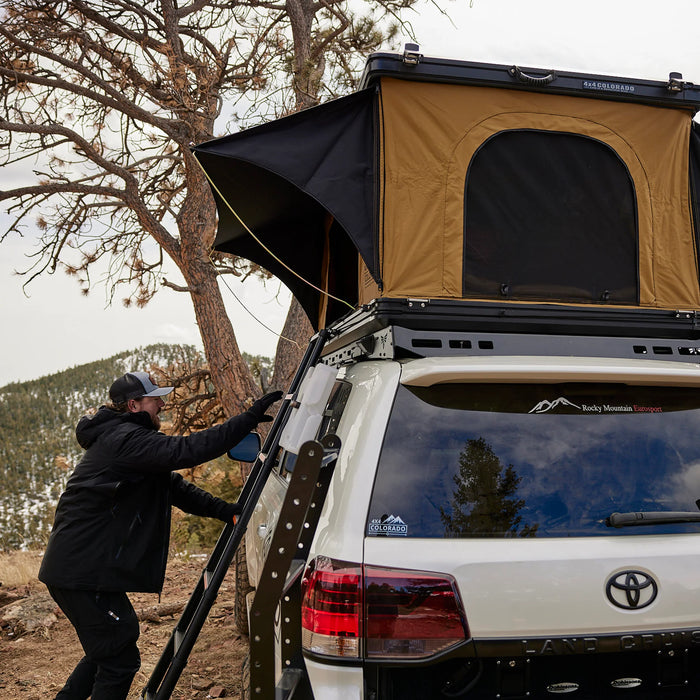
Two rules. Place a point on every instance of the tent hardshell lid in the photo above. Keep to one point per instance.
(444, 184)
(675, 92)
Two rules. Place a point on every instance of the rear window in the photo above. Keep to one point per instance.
(528, 460)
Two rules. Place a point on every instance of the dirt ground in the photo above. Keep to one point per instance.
(39, 648)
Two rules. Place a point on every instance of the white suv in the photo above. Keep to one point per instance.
(511, 515)
(503, 500)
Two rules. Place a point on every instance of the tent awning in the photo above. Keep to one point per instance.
(301, 185)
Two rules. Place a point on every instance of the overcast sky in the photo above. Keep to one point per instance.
(55, 327)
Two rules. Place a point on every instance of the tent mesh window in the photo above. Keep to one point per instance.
(550, 216)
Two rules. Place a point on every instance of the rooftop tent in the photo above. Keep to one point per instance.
(535, 197)
(455, 180)
(304, 186)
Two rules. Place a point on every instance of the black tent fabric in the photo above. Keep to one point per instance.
(285, 180)
(695, 180)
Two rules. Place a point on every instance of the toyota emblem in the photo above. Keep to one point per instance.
(631, 590)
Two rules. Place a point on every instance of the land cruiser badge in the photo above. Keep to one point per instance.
(388, 526)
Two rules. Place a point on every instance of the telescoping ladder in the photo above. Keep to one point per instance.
(312, 456)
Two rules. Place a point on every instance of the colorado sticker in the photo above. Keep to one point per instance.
(387, 525)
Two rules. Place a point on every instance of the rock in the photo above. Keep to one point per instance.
(9, 595)
(34, 614)
(200, 683)
(217, 691)
(155, 612)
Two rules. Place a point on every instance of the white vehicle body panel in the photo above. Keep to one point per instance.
(336, 682)
(340, 532)
(439, 370)
(262, 525)
(521, 589)
(556, 586)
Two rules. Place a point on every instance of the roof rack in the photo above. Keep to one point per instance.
(411, 328)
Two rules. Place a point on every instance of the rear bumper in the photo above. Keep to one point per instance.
(589, 644)
(646, 675)
(657, 665)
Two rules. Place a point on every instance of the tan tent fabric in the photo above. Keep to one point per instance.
(430, 133)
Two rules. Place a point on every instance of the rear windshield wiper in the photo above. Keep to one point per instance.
(651, 518)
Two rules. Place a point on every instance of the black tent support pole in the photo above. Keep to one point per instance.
(173, 660)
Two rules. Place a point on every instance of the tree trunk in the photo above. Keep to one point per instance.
(235, 386)
(297, 327)
(289, 354)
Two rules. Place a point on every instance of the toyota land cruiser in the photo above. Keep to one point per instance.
(483, 482)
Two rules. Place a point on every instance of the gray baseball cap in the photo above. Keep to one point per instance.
(135, 385)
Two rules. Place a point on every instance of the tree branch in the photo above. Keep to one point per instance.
(73, 137)
(179, 288)
(112, 98)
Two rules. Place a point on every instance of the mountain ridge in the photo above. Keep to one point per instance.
(37, 440)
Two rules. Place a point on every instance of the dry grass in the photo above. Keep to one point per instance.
(19, 568)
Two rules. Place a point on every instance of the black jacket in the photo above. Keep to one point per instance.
(112, 525)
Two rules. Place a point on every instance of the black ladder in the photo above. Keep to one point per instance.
(173, 660)
(279, 585)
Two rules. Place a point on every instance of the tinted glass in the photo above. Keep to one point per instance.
(550, 216)
(466, 460)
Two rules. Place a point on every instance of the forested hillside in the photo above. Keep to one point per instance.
(37, 441)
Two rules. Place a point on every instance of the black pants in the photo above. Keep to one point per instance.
(107, 628)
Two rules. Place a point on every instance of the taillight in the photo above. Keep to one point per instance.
(411, 614)
(331, 611)
(394, 613)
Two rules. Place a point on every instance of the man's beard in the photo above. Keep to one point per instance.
(156, 421)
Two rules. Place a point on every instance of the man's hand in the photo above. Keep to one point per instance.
(231, 512)
(259, 408)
